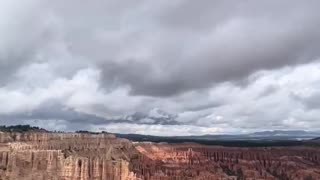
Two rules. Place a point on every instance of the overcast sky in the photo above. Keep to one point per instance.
(169, 67)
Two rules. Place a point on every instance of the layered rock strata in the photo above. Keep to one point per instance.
(65, 156)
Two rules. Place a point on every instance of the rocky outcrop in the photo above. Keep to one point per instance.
(64, 156)
(85, 156)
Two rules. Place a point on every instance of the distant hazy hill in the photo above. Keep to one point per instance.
(265, 136)
(316, 139)
(300, 133)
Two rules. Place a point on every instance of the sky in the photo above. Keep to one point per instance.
(169, 67)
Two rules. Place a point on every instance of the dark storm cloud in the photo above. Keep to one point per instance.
(52, 110)
(23, 33)
(226, 48)
(171, 47)
(142, 78)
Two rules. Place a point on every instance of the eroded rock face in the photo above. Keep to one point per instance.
(71, 156)
(186, 161)
(64, 156)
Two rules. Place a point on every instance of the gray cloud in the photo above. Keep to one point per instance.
(212, 66)
(23, 33)
(54, 111)
(197, 56)
(310, 102)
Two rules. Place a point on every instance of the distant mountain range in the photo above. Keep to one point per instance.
(276, 135)
(293, 133)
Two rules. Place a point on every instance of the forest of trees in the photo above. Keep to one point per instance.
(21, 128)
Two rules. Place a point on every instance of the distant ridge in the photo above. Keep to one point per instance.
(316, 139)
(287, 133)
(256, 139)
(21, 128)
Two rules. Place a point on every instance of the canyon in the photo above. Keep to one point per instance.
(102, 156)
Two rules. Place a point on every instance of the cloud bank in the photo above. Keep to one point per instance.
(184, 67)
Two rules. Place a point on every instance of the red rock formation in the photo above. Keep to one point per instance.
(213, 162)
(64, 156)
(71, 156)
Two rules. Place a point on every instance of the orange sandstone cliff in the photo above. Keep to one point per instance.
(64, 156)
